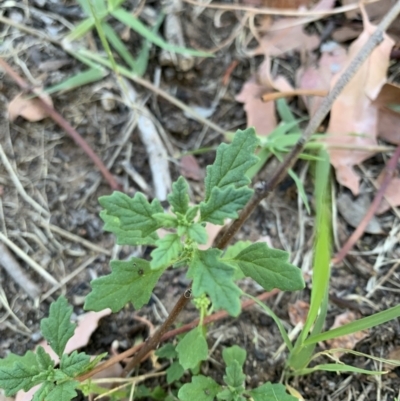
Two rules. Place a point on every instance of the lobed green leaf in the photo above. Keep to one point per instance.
(224, 203)
(167, 252)
(167, 351)
(174, 372)
(43, 391)
(200, 389)
(269, 391)
(57, 329)
(179, 197)
(234, 376)
(269, 267)
(197, 233)
(192, 349)
(74, 364)
(126, 237)
(43, 358)
(234, 353)
(231, 162)
(214, 277)
(19, 372)
(63, 391)
(133, 213)
(130, 281)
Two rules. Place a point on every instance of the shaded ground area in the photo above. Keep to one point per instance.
(58, 176)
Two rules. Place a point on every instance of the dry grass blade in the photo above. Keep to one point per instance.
(8, 262)
(39, 269)
(278, 11)
(158, 157)
(75, 238)
(68, 278)
(19, 186)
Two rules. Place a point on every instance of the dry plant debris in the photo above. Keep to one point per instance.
(369, 96)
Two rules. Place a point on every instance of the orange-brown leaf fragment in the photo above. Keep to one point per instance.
(348, 341)
(354, 117)
(29, 108)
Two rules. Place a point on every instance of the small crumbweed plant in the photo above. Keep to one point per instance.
(213, 272)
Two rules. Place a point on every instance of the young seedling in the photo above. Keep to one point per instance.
(213, 273)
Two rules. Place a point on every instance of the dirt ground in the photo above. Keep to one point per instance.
(54, 172)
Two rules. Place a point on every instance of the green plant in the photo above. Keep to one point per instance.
(38, 368)
(98, 12)
(213, 272)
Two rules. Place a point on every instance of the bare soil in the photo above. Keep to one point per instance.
(60, 177)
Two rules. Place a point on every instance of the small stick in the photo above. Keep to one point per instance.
(69, 277)
(296, 92)
(170, 334)
(19, 187)
(75, 238)
(279, 11)
(389, 173)
(12, 267)
(39, 269)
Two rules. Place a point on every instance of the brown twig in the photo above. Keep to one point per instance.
(65, 125)
(295, 92)
(281, 172)
(388, 175)
(171, 334)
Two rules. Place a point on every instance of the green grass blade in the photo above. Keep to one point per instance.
(114, 4)
(275, 318)
(321, 270)
(338, 367)
(102, 36)
(263, 155)
(98, 5)
(143, 57)
(135, 24)
(358, 325)
(285, 113)
(80, 30)
(78, 80)
(119, 46)
(300, 188)
(331, 353)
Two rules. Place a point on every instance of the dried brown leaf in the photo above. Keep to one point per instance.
(354, 210)
(190, 168)
(298, 312)
(28, 107)
(392, 194)
(354, 117)
(349, 341)
(389, 120)
(260, 115)
(286, 34)
(319, 75)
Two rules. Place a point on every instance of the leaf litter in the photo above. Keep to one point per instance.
(275, 88)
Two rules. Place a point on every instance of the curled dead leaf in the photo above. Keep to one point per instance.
(28, 107)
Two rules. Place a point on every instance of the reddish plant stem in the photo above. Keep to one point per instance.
(388, 175)
(171, 334)
(64, 124)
